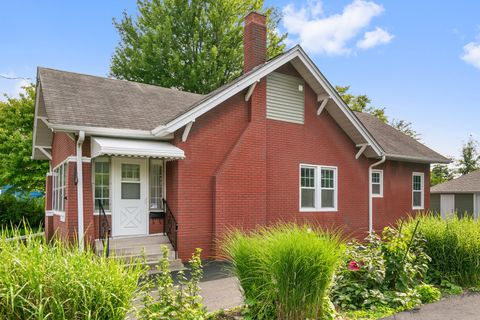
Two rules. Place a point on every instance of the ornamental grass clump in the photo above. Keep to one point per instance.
(285, 270)
(40, 280)
(453, 245)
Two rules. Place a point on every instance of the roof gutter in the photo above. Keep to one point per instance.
(81, 139)
(370, 196)
(399, 157)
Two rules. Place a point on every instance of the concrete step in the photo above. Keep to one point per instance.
(125, 242)
(149, 249)
(155, 249)
(175, 265)
(148, 257)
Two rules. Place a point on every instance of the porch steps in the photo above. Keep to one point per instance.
(147, 248)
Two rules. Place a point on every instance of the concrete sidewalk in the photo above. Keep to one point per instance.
(219, 289)
(463, 307)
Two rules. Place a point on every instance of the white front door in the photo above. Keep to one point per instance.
(447, 205)
(129, 214)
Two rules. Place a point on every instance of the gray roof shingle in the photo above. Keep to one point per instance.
(395, 143)
(84, 100)
(464, 184)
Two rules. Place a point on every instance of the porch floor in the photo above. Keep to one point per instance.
(147, 247)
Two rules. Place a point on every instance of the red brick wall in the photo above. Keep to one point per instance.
(397, 194)
(254, 41)
(242, 170)
(63, 147)
(191, 182)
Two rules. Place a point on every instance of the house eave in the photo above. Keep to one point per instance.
(397, 157)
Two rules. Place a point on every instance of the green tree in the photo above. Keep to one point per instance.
(440, 174)
(470, 160)
(405, 127)
(16, 123)
(193, 45)
(361, 103)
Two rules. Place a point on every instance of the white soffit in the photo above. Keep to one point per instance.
(134, 148)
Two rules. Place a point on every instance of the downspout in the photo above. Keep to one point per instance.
(370, 198)
(81, 138)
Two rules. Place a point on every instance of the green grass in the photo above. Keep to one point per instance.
(56, 281)
(284, 270)
(454, 247)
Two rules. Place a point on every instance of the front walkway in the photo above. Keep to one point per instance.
(219, 289)
(463, 307)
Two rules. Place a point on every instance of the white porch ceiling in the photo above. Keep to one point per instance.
(134, 148)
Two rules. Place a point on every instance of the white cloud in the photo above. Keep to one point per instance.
(471, 54)
(374, 38)
(11, 85)
(332, 34)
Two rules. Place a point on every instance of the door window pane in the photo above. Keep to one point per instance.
(130, 190)
(130, 172)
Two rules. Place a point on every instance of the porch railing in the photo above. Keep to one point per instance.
(104, 229)
(170, 226)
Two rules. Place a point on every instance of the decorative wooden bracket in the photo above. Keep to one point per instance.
(187, 131)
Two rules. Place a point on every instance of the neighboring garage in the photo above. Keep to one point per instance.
(460, 196)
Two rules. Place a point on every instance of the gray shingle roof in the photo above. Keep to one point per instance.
(84, 100)
(395, 143)
(464, 184)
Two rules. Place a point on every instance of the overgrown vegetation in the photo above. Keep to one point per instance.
(383, 272)
(454, 248)
(14, 212)
(285, 270)
(176, 302)
(56, 281)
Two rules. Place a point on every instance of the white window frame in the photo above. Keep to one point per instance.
(59, 190)
(380, 172)
(422, 190)
(162, 163)
(318, 188)
(96, 160)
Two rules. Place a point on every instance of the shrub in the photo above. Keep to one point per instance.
(381, 272)
(14, 211)
(56, 281)
(453, 246)
(181, 302)
(428, 293)
(285, 270)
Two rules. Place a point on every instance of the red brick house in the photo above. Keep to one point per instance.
(277, 143)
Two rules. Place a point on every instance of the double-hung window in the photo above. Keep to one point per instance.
(418, 190)
(377, 183)
(318, 188)
(59, 187)
(102, 183)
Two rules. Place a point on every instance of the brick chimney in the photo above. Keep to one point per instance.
(254, 41)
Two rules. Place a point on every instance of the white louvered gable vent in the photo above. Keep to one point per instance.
(285, 97)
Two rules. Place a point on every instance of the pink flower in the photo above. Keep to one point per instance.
(353, 266)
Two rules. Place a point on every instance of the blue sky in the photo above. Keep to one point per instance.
(419, 59)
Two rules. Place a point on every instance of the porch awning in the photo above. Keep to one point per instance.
(134, 148)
